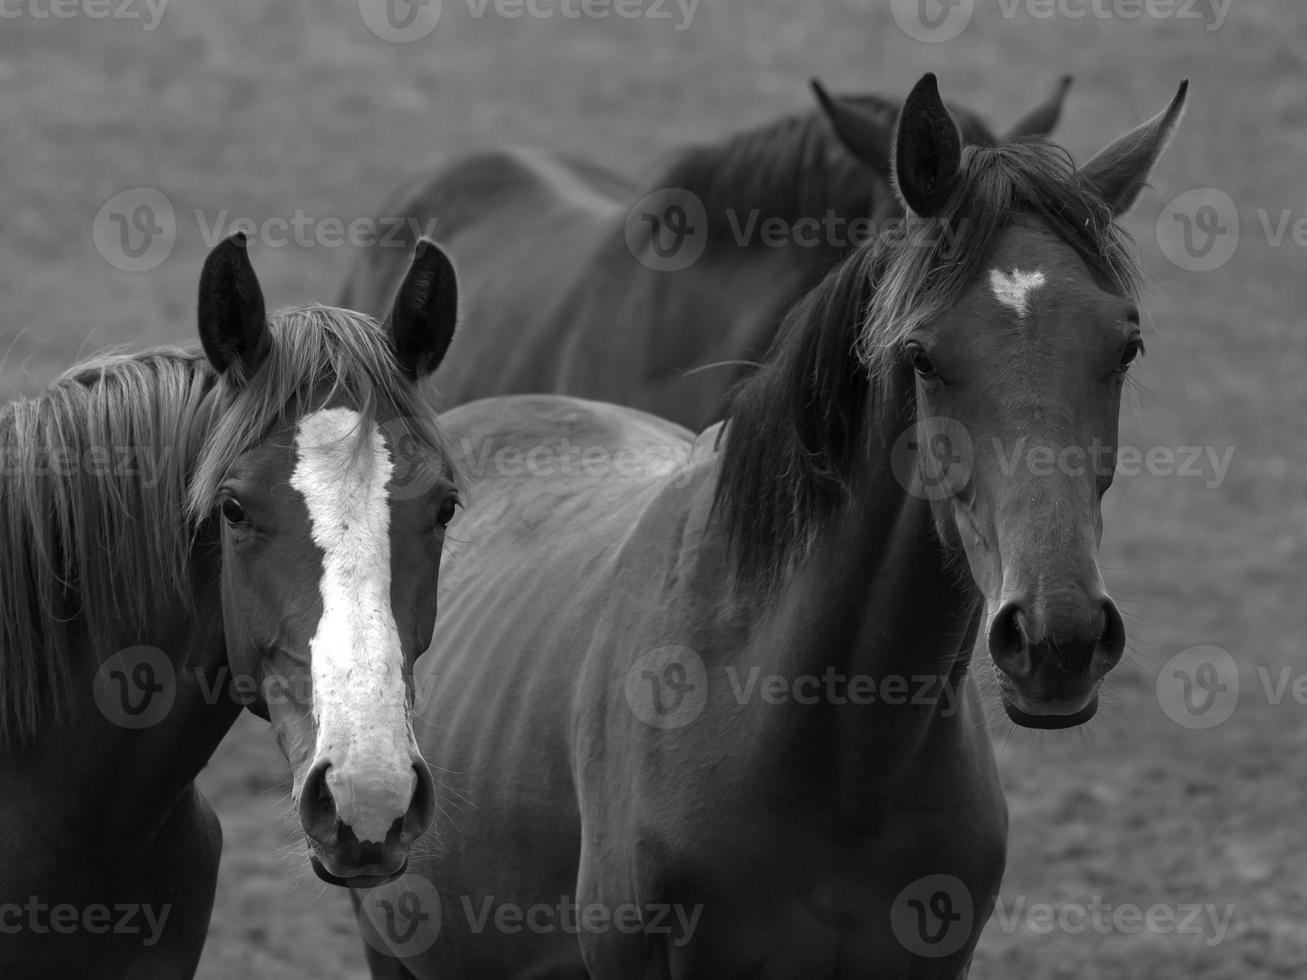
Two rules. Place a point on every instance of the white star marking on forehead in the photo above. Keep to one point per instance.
(1015, 290)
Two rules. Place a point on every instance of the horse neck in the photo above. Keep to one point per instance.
(121, 782)
(719, 317)
(786, 172)
(875, 603)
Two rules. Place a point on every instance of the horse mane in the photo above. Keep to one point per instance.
(791, 168)
(109, 475)
(798, 428)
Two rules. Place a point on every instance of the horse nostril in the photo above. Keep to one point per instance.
(422, 808)
(1007, 634)
(1112, 639)
(317, 806)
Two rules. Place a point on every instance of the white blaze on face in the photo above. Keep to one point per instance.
(1014, 290)
(359, 697)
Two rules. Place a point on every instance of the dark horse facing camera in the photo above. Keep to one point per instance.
(878, 505)
(1026, 364)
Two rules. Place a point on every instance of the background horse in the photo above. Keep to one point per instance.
(185, 533)
(647, 681)
(557, 251)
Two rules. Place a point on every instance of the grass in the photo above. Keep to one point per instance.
(265, 109)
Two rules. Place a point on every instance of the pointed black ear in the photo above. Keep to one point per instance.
(1120, 170)
(927, 150)
(1042, 119)
(863, 133)
(426, 311)
(232, 321)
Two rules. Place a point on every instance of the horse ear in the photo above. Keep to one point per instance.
(233, 324)
(927, 150)
(862, 132)
(426, 311)
(1121, 169)
(1042, 119)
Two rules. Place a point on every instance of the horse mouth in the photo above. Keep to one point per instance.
(354, 881)
(1051, 722)
(1046, 713)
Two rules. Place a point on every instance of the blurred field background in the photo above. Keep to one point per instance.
(266, 108)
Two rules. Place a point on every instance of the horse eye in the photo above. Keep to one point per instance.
(1132, 350)
(921, 362)
(233, 512)
(446, 512)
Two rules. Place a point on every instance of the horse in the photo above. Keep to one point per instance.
(711, 701)
(557, 251)
(189, 532)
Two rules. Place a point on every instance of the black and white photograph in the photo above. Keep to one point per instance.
(662, 489)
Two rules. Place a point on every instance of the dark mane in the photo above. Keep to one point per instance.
(794, 167)
(798, 427)
(109, 474)
(794, 427)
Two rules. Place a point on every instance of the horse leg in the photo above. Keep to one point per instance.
(176, 882)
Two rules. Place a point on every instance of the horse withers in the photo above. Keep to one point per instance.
(658, 295)
(186, 532)
(712, 702)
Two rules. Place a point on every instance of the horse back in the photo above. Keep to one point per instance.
(494, 201)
